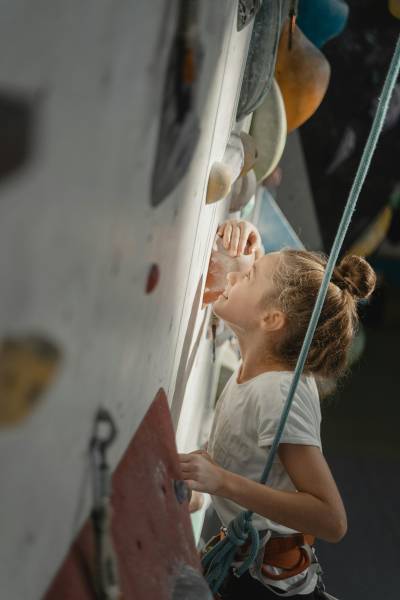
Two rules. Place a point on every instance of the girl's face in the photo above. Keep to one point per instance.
(221, 263)
(238, 304)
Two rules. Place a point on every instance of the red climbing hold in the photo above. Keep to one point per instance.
(153, 278)
(151, 530)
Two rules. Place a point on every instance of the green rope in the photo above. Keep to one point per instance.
(217, 569)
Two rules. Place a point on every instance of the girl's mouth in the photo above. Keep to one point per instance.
(224, 295)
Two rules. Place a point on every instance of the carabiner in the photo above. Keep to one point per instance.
(102, 440)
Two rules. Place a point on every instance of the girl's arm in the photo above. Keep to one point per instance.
(316, 508)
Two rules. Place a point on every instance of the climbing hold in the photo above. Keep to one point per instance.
(250, 152)
(17, 127)
(151, 547)
(261, 57)
(374, 234)
(190, 585)
(303, 75)
(28, 365)
(181, 490)
(152, 278)
(234, 155)
(268, 129)
(219, 182)
(242, 191)
(223, 174)
(275, 230)
(322, 20)
(274, 179)
(372, 237)
(179, 127)
(247, 10)
(394, 8)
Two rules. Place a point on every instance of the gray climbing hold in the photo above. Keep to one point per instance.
(190, 585)
(261, 58)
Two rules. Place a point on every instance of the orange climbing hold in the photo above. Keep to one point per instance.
(394, 8)
(303, 75)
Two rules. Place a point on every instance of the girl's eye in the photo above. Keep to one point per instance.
(248, 274)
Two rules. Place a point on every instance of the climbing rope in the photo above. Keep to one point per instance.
(217, 561)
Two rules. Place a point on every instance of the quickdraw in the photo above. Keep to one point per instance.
(106, 574)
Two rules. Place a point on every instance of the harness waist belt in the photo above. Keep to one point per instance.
(286, 553)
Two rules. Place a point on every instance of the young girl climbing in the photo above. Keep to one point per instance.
(268, 308)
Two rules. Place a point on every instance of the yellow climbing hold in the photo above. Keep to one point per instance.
(219, 183)
(374, 235)
(28, 365)
(394, 8)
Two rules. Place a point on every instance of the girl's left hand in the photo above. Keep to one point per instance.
(200, 472)
(241, 237)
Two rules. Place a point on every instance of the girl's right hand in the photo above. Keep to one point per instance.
(241, 237)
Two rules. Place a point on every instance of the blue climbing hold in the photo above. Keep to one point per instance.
(322, 20)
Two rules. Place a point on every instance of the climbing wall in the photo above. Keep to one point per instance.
(147, 511)
(81, 87)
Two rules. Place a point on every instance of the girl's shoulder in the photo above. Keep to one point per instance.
(275, 386)
(277, 378)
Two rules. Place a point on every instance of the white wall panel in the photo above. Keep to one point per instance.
(78, 235)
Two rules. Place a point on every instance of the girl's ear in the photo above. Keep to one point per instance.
(273, 320)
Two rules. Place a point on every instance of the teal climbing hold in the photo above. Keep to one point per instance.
(322, 20)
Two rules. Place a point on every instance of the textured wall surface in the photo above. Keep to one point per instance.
(78, 236)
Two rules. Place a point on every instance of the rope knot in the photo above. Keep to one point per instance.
(238, 531)
(217, 561)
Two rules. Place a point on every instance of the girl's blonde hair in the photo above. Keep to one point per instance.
(297, 279)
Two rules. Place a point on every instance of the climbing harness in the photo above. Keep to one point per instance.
(106, 577)
(292, 554)
(218, 559)
(286, 552)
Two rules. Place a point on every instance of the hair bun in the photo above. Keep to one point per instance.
(356, 275)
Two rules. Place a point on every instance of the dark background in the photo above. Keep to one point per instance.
(360, 428)
(360, 437)
(359, 59)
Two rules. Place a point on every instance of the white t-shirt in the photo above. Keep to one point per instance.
(244, 426)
